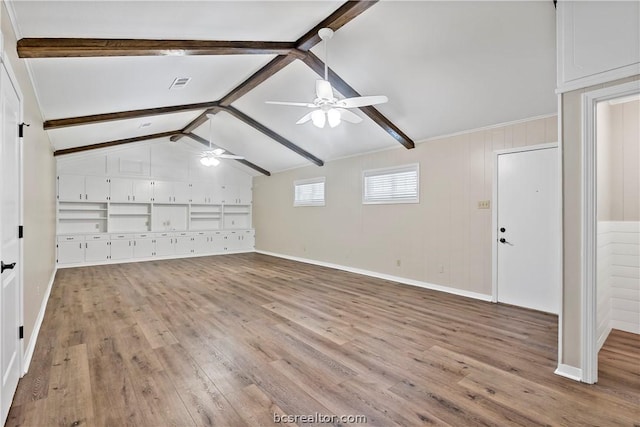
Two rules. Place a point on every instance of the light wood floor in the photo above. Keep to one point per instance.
(231, 340)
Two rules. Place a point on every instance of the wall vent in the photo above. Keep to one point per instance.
(180, 82)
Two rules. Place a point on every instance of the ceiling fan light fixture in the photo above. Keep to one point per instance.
(213, 161)
(333, 117)
(318, 118)
(205, 161)
(218, 151)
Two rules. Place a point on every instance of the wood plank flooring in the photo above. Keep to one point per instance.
(232, 340)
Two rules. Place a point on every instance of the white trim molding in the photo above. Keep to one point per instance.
(570, 372)
(589, 351)
(31, 346)
(403, 280)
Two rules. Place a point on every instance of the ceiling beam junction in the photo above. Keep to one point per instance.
(245, 162)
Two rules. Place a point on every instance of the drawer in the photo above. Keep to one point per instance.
(122, 236)
(144, 235)
(70, 238)
(91, 237)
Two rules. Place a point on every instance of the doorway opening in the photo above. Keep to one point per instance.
(611, 218)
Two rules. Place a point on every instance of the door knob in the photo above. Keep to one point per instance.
(4, 266)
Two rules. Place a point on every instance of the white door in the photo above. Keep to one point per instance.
(528, 253)
(10, 161)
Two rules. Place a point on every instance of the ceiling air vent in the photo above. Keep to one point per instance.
(180, 82)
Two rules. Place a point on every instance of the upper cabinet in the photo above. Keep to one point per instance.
(598, 41)
(236, 194)
(131, 190)
(83, 188)
(171, 192)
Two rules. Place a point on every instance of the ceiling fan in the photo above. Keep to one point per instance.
(210, 157)
(326, 107)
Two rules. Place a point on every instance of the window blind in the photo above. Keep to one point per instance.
(391, 185)
(309, 192)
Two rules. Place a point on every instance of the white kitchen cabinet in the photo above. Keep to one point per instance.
(142, 190)
(202, 243)
(597, 42)
(218, 241)
(165, 245)
(183, 243)
(83, 188)
(202, 193)
(171, 192)
(144, 246)
(97, 248)
(237, 195)
(70, 249)
(121, 246)
(120, 190)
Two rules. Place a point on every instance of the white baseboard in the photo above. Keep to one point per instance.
(155, 258)
(31, 346)
(403, 280)
(625, 326)
(604, 337)
(568, 371)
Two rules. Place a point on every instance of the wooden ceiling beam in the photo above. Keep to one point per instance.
(341, 16)
(343, 87)
(245, 162)
(114, 143)
(273, 135)
(78, 47)
(124, 115)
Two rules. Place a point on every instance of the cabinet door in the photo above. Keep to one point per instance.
(121, 249)
(218, 194)
(70, 252)
(144, 248)
(164, 246)
(183, 245)
(97, 189)
(162, 192)
(247, 240)
(120, 190)
(71, 187)
(237, 194)
(97, 250)
(181, 192)
(244, 194)
(142, 190)
(218, 242)
(201, 244)
(233, 241)
(199, 193)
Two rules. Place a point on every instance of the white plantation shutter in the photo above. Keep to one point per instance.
(309, 192)
(391, 185)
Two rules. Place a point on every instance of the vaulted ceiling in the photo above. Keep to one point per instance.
(102, 72)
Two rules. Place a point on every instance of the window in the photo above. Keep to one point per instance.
(391, 185)
(309, 192)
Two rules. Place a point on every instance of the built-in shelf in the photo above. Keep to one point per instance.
(130, 214)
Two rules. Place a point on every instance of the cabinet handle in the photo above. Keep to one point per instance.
(86, 197)
(80, 245)
(85, 245)
(128, 197)
(129, 242)
(134, 243)
(80, 196)
(134, 198)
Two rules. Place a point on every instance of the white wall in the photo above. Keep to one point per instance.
(618, 189)
(444, 240)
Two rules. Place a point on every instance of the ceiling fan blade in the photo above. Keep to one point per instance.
(304, 119)
(362, 101)
(231, 156)
(349, 116)
(294, 104)
(323, 89)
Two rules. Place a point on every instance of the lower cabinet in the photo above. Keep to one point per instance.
(122, 246)
(99, 248)
(144, 246)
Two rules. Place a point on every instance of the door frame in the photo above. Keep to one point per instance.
(494, 211)
(5, 63)
(588, 317)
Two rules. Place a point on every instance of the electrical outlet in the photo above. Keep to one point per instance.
(484, 204)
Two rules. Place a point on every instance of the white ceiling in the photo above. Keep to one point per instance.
(445, 66)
